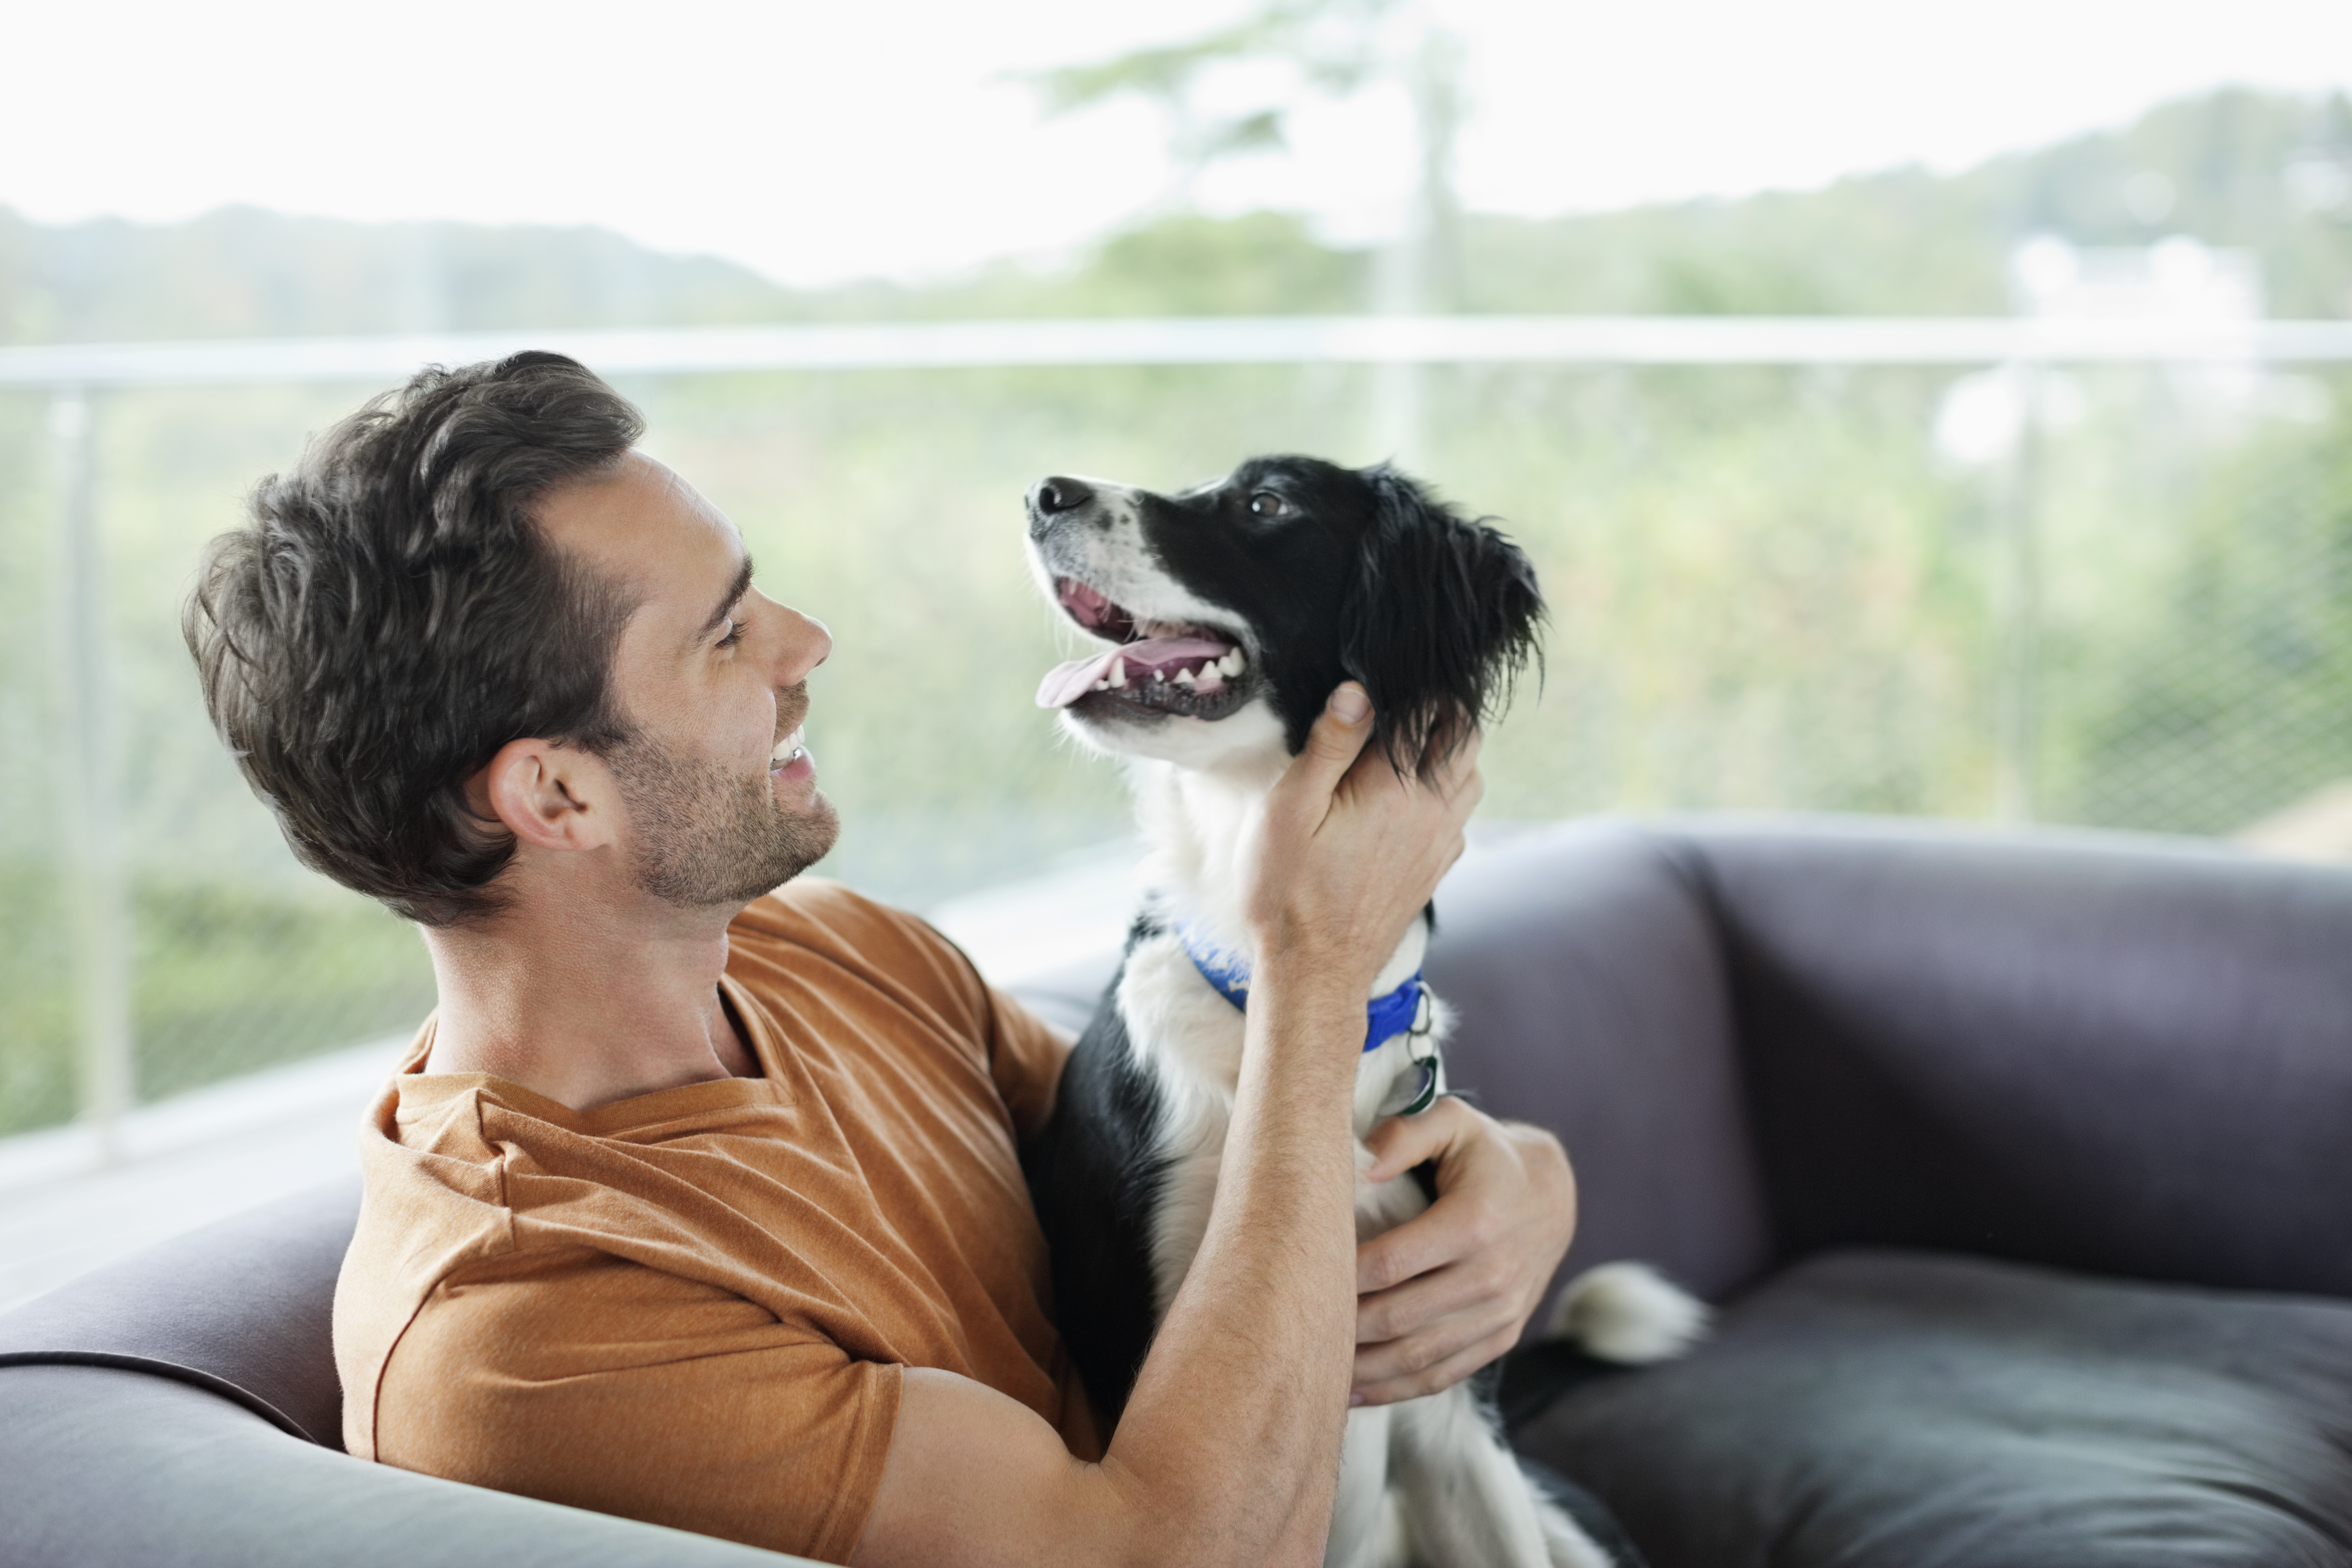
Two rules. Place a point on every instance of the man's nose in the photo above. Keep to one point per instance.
(1058, 493)
(806, 643)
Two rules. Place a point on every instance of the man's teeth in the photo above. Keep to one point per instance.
(787, 751)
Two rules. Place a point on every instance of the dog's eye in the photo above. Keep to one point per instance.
(1266, 503)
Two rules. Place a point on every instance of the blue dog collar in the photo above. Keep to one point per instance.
(1385, 1017)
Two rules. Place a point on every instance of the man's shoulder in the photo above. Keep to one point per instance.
(811, 905)
(813, 924)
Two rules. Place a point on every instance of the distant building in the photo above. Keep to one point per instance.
(2175, 279)
(2179, 279)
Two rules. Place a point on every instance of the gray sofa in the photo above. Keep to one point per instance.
(2021, 1165)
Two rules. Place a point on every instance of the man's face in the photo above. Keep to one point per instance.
(711, 678)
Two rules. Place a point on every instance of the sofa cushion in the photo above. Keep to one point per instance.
(1912, 1410)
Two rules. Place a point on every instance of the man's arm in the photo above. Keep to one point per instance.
(1229, 1447)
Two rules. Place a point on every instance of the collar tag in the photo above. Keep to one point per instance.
(1425, 1094)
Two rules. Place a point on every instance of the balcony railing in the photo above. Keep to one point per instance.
(1965, 726)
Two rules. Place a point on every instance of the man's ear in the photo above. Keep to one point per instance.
(549, 795)
(1443, 617)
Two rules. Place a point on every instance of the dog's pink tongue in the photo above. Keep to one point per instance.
(1065, 683)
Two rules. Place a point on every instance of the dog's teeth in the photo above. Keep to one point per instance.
(1159, 675)
(1241, 660)
(1118, 674)
(1231, 664)
(1102, 686)
(1184, 677)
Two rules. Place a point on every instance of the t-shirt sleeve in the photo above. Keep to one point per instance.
(1026, 1057)
(586, 1380)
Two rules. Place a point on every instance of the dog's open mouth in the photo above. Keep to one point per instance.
(1158, 668)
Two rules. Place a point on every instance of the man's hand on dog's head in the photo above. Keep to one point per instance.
(1349, 853)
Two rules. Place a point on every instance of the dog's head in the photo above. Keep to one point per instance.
(1231, 610)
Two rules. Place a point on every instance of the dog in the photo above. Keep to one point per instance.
(1229, 612)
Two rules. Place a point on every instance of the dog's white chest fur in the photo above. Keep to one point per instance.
(1192, 1036)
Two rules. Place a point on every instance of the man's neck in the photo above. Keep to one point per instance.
(587, 1011)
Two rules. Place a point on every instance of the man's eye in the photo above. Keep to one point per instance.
(734, 633)
(1266, 503)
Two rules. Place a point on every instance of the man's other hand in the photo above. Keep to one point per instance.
(1451, 1289)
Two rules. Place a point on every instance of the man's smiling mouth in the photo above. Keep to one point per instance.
(1161, 669)
(788, 751)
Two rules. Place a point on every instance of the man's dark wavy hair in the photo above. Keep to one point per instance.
(391, 615)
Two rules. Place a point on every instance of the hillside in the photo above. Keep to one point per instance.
(2268, 173)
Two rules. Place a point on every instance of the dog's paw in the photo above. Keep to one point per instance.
(1629, 1313)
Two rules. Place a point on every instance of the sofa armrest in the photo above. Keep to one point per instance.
(240, 1308)
(101, 1467)
(2123, 1054)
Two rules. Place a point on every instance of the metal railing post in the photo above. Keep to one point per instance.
(92, 881)
(1415, 273)
(2017, 600)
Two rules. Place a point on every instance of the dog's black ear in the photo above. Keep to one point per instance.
(1442, 619)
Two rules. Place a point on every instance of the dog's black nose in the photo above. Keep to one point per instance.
(1059, 494)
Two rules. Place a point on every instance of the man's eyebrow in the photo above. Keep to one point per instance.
(735, 592)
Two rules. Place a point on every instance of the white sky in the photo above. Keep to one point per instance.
(818, 142)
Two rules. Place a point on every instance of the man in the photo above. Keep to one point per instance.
(702, 1203)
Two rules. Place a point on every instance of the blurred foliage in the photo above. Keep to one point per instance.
(2224, 690)
(37, 1082)
(226, 978)
(1332, 44)
(1766, 592)
(1762, 592)
(244, 977)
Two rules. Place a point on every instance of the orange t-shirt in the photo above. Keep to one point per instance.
(692, 1307)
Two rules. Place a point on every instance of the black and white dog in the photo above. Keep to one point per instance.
(1230, 611)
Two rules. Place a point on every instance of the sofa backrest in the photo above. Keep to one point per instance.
(1591, 997)
(2126, 1055)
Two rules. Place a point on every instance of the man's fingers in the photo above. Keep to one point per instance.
(1442, 1339)
(1400, 1143)
(1427, 1301)
(1335, 740)
(1431, 1379)
(1412, 1250)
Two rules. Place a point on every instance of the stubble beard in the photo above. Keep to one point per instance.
(707, 837)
